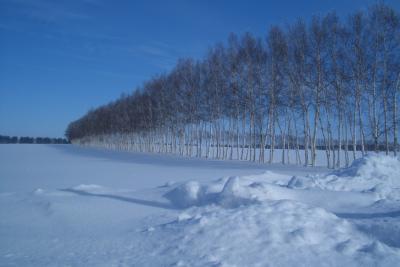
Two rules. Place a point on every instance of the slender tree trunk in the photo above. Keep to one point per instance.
(395, 140)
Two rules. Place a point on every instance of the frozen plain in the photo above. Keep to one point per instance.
(68, 206)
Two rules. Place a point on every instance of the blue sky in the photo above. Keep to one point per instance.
(58, 59)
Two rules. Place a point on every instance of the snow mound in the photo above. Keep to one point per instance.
(301, 182)
(185, 195)
(89, 188)
(373, 166)
(374, 173)
(229, 192)
(272, 233)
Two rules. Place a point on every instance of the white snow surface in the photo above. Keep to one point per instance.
(374, 173)
(68, 206)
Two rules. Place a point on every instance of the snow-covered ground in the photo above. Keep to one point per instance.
(70, 206)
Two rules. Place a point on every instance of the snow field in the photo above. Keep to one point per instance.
(97, 208)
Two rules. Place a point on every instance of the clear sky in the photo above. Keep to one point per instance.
(58, 59)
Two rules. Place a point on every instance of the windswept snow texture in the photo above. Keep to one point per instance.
(374, 173)
(67, 206)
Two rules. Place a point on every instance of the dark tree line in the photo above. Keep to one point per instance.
(330, 86)
(5, 139)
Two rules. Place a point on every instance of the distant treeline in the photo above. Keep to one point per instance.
(331, 84)
(5, 139)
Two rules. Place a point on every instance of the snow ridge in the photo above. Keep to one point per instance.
(242, 221)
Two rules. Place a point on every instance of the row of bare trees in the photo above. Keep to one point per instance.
(327, 87)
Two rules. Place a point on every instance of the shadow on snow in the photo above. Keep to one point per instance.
(176, 160)
(122, 198)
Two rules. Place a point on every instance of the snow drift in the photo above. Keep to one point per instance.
(273, 233)
(228, 192)
(253, 221)
(375, 175)
(378, 174)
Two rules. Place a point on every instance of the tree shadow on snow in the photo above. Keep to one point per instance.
(122, 198)
(176, 160)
